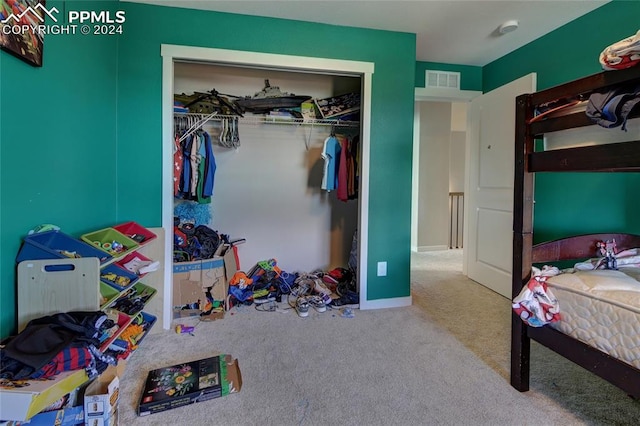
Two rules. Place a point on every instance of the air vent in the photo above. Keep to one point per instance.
(443, 79)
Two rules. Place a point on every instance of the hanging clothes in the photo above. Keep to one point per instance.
(194, 159)
(209, 167)
(194, 176)
(177, 165)
(342, 192)
(331, 156)
(185, 183)
(202, 153)
(341, 166)
(353, 167)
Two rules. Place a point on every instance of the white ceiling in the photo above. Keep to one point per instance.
(460, 32)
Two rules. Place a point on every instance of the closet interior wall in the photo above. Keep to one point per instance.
(268, 190)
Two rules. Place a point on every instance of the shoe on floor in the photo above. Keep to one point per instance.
(343, 288)
(330, 282)
(321, 288)
(326, 298)
(351, 299)
(302, 307)
(317, 302)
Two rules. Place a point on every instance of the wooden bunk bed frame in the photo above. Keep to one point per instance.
(614, 157)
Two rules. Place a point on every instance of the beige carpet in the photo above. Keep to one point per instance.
(443, 360)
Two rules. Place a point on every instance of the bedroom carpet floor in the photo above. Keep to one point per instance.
(442, 361)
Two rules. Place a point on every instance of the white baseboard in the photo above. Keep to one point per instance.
(432, 248)
(396, 302)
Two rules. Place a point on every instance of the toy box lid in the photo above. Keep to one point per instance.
(24, 399)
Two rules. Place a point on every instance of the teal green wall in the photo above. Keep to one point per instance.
(470, 76)
(81, 137)
(57, 145)
(575, 203)
(139, 112)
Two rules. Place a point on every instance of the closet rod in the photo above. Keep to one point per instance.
(262, 119)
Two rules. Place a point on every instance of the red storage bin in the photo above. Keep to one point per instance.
(130, 257)
(136, 232)
(122, 323)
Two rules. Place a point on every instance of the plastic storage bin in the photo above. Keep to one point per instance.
(122, 323)
(136, 232)
(133, 300)
(108, 295)
(57, 245)
(146, 321)
(132, 338)
(104, 239)
(106, 276)
(129, 260)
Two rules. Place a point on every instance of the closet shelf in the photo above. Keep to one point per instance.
(265, 119)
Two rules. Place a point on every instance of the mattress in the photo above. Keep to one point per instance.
(602, 309)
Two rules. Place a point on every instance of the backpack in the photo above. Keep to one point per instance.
(209, 241)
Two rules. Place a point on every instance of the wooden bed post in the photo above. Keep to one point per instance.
(522, 242)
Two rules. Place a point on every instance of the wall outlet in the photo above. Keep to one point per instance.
(382, 269)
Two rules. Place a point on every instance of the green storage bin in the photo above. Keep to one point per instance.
(133, 300)
(104, 239)
(108, 295)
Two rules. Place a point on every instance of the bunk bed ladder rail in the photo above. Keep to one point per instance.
(522, 239)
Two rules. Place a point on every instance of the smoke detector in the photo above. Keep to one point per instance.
(508, 27)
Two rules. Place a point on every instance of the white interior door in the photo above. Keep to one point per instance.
(489, 216)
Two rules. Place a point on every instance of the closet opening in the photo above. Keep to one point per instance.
(268, 187)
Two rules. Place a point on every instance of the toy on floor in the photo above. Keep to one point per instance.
(185, 329)
(270, 265)
(211, 305)
(241, 280)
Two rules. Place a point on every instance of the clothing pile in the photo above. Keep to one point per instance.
(611, 107)
(60, 342)
(266, 282)
(622, 54)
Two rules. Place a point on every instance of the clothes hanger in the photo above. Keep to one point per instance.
(223, 131)
(236, 139)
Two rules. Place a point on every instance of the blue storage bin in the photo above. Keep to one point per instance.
(139, 319)
(54, 245)
(149, 319)
(120, 272)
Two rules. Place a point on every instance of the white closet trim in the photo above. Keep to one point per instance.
(396, 302)
(174, 53)
(270, 60)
